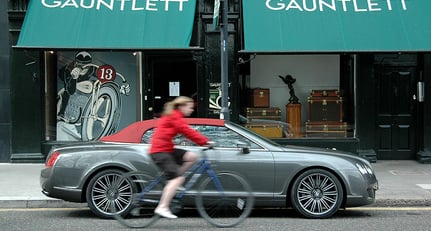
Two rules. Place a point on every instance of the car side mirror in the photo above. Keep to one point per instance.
(245, 147)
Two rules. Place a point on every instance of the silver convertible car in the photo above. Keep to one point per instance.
(315, 182)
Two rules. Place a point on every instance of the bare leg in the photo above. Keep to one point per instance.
(189, 159)
(171, 187)
(169, 192)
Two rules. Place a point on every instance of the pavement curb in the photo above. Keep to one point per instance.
(54, 203)
(39, 203)
(401, 203)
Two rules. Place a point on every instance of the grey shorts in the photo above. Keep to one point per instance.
(169, 162)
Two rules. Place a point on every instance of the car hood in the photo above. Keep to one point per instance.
(324, 151)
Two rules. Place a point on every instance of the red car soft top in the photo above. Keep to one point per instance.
(133, 133)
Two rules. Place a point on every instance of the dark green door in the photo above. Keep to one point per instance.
(396, 102)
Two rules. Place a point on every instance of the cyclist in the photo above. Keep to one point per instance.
(173, 162)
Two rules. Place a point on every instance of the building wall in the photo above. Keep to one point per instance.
(5, 106)
(27, 106)
(365, 108)
(427, 102)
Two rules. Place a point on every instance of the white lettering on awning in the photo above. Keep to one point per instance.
(122, 5)
(335, 5)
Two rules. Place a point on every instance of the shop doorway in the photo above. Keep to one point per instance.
(395, 113)
(168, 78)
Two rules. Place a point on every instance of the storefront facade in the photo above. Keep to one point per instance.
(374, 53)
(127, 74)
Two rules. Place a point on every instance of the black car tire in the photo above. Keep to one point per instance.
(317, 193)
(109, 194)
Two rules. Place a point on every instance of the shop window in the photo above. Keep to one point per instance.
(89, 94)
(307, 96)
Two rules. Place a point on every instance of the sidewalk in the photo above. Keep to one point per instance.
(19, 188)
(402, 183)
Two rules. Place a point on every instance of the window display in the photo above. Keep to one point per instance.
(92, 88)
(309, 92)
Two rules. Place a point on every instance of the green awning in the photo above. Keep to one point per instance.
(336, 25)
(108, 24)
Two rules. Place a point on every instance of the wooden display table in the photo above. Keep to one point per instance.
(293, 117)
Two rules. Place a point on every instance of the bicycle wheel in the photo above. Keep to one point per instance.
(141, 213)
(224, 201)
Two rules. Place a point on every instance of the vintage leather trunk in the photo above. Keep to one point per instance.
(267, 113)
(325, 109)
(258, 97)
(326, 129)
(325, 93)
(269, 130)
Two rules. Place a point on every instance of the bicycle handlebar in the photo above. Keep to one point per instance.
(209, 145)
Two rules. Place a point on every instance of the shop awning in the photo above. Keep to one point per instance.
(108, 24)
(336, 25)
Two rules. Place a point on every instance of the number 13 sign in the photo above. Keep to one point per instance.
(106, 73)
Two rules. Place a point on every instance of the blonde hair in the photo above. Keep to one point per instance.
(174, 104)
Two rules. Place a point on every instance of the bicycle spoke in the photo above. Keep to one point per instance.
(225, 206)
(141, 213)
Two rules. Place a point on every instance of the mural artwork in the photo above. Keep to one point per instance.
(89, 99)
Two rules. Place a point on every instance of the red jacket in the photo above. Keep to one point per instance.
(168, 127)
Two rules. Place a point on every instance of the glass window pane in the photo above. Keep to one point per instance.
(300, 96)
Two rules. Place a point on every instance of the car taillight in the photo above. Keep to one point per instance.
(51, 161)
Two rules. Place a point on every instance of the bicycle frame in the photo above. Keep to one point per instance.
(203, 165)
(219, 207)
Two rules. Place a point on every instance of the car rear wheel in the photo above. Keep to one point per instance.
(317, 193)
(108, 193)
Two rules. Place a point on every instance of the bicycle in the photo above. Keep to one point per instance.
(223, 199)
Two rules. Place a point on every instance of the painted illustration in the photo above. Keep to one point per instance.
(89, 102)
(215, 94)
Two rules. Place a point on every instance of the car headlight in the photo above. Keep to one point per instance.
(364, 169)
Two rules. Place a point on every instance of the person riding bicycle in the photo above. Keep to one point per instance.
(174, 162)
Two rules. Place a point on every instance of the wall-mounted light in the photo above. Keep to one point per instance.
(421, 91)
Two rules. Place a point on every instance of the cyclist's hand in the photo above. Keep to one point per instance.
(210, 144)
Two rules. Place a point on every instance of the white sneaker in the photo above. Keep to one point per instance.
(165, 213)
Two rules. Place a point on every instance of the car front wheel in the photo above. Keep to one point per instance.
(317, 193)
(108, 193)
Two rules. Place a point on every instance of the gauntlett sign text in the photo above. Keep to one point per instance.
(335, 5)
(122, 5)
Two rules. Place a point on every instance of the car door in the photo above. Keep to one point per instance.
(257, 166)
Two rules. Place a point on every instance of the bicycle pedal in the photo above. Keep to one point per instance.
(176, 206)
(135, 212)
